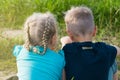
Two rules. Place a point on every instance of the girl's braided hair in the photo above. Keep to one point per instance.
(39, 30)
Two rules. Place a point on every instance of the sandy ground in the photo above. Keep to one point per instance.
(9, 76)
(12, 33)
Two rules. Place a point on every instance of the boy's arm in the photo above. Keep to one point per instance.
(63, 75)
(115, 69)
(115, 76)
(118, 50)
(65, 40)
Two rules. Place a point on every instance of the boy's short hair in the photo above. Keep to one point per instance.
(81, 18)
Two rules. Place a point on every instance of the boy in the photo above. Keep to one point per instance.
(113, 69)
(86, 60)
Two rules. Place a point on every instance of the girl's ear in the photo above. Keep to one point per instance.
(94, 31)
(53, 42)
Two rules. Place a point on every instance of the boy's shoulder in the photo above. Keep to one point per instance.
(72, 45)
(87, 43)
(96, 45)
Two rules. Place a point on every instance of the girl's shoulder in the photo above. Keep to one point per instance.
(61, 52)
(17, 49)
(57, 53)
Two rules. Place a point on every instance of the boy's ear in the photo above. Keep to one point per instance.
(94, 31)
(69, 33)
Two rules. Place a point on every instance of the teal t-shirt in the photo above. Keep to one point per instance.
(33, 66)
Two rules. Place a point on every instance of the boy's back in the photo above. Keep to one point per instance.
(88, 61)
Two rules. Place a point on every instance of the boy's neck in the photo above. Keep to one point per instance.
(83, 39)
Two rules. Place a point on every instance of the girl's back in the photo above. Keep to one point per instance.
(36, 59)
(32, 66)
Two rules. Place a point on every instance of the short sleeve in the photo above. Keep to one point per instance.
(114, 67)
(67, 48)
(112, 52)
(61, 52)
(16, 50)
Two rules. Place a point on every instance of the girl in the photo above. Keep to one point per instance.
(36, 59)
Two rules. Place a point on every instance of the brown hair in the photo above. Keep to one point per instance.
(79, 20)
(39, 30)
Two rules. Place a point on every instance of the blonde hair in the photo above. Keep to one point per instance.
(79, 20)
(39, 30)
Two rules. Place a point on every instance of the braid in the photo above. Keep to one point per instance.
(44, 41)
(27, 37)
(45, 35)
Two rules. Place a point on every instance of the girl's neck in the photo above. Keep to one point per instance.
(52, 47)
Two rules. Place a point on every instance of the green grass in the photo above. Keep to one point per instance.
(7, 60)
(14, 12)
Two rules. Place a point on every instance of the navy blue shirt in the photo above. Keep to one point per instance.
(88, 61)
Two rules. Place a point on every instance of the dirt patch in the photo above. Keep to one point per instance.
(12, 33)
(4, 76)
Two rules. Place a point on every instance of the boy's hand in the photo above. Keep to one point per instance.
(65, 40)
